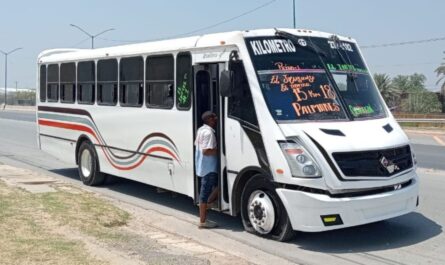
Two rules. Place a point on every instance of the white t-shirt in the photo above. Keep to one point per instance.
(205, 139)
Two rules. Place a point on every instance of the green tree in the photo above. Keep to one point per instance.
(415, 97)
(390, 94)
(440, 71)
(410, 83)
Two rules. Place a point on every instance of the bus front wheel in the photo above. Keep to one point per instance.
(262, 212)
(88, 165)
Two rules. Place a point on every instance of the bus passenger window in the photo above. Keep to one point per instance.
(241, 103)
(107, 82)
(86, 74)
(131, 81)
(53, 83)
(184, 81)
(67, 82)
(42, 83)
(159, 84)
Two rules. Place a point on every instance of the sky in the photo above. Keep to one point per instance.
(45, 24)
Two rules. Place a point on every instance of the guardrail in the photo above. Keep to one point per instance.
(441, 121)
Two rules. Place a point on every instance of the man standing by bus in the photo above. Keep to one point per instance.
(206, 166)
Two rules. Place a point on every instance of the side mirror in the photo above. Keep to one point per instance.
(226, 83)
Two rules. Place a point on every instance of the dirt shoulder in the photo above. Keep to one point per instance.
(47, 221)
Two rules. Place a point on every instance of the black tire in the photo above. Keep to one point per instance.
(282, 230)
(93, 176)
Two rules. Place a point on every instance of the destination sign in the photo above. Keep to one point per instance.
(272, 46)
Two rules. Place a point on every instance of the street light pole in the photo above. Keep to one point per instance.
(295, 26)
(6, 72)
(90, 35)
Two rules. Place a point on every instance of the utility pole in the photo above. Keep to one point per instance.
(295, 23)
(6, 73)
(90, 35)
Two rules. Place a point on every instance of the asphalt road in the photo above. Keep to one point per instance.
(416, 238)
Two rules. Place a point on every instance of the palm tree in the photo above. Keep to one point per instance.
(441, 74)
(389, 92)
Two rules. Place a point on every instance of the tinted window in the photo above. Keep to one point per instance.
(184, 81)
(107, 82)
(241, 103)
(67, 82)
(159, 73)
(86, 73)
(53, 82)
(131, 81)
(42, 83)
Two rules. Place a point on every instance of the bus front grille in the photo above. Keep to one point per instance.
(377, 163)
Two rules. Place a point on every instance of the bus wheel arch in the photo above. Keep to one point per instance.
(79, 142)
(240, 182)
(88, 163)
(262, 212)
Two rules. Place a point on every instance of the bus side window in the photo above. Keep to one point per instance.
(53, 83)
(240, 103)
(67, 82)
(42, 83)
(131, 83)
(184, 81)
(107, 82)
(160, 79)
(86, 75)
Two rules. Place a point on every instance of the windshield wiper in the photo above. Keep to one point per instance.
(350, 73)
(321, 54)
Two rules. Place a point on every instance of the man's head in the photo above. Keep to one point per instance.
(209, 118)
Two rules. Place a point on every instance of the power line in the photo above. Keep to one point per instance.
(199, 29)
(405, 64)
(402, 43)
(230, 19)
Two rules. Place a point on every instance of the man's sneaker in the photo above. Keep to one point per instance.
(207, 224)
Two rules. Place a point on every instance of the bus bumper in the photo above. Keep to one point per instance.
(311, 212)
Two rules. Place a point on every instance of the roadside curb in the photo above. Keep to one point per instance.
(429, 132)
(20, 108)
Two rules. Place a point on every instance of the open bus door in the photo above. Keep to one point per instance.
(206, 97)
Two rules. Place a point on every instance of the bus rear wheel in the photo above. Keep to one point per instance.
(88, 165)
(262, 212)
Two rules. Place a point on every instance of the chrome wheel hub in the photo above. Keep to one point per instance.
(86, 163)
(261, 212)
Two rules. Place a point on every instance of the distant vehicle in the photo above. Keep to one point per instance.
(306, 141)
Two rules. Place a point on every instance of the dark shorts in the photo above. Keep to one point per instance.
(208, 183)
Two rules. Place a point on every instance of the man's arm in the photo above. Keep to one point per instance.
(210, 152)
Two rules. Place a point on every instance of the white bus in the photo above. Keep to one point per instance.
(306, 141)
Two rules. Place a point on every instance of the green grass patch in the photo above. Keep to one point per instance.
(31, 225)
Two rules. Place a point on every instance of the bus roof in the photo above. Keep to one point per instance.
(181, 44)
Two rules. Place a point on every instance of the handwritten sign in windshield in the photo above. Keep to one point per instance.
(312, 92)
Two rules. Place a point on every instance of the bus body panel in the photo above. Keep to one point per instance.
(306, 210)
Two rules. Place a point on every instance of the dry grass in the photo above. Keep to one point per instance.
(31, 226)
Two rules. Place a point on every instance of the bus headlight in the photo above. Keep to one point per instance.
(301, 163)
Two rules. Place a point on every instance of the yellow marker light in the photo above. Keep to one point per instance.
(330, 219)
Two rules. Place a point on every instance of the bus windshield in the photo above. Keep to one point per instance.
(293, 75)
